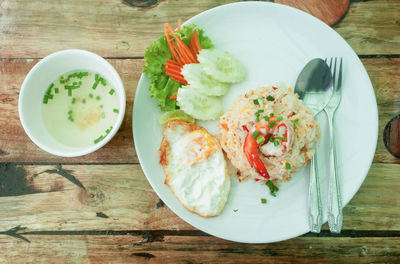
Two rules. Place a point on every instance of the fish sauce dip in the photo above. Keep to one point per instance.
(80, 108)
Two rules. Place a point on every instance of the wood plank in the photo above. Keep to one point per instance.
(195, 249)
(113, 29)
(118, 197)
(14, 143)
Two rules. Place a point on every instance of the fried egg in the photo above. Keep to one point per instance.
(195, 168)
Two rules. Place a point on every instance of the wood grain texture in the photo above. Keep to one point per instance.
(14, 143)
(329, 11)
(43, 199)
(196, 249)
(114, 29)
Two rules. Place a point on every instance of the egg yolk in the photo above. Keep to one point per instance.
(204, 145)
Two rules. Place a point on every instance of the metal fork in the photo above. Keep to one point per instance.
(335, 216)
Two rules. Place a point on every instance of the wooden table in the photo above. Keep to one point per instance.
(101, 208)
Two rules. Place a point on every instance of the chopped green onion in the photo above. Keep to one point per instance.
(101, 106)
(272, 188)
(266, 118)
(103, 81)
(255, 134)
(90, 95)
(270, 98)
(260, 140)
(255, 101)
(296, 122)
(69, 92)
(271, 139)
(95, 85)
(282, 138)
(279, 118)
(73, 100)
(84, 101)
(276, 143)
(115, 110)
(45, 100)
(97, 140)
(271, 115)
(96, 76)
(56, 90)
(271, 124)
(112, 91)
(98, 97)
(263, 200)
(288, 166)
(235, 210)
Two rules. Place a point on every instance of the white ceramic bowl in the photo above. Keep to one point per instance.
(35, 86)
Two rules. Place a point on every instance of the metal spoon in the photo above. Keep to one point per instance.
(315, 87)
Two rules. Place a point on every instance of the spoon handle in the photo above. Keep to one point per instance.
(335, 216)
(314, 198)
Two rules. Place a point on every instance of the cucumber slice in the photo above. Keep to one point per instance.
(202, 82)
(199, 106)
(221, 65)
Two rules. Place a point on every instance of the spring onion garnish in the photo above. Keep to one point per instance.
(276, 143)
(56, 90)
(282, 138)
(271, 115)
(260, 140)
(263, 200)
(115, 110)
(266, 118)
(235, 210)
(101, 106)
(75, 85)
(70, 118)
(270, 98)
(90, 95)
(84, 101)
(98, 98)
(255, 134)
(279, 118)
(48, 94)
(271, 124)
(296, 122)
(73, 75)
(97, 140)
(258, 114)
(103, 81)
(73, 100)
(272, 188)
(288, 166)
(111, 92)
(271, 139)
(255, 101)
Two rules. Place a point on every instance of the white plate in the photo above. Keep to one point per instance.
(273, 42)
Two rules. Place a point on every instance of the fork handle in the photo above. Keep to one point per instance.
(314, 198)
(335, 216)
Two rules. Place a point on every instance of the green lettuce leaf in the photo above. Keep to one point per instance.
(162, 87)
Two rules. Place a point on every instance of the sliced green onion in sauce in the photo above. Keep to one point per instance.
(271, 124)
(288, 166)
(255, 134)
(276, 143)
(115, 110)
(263, 200)
(260, 140)
(112, 91)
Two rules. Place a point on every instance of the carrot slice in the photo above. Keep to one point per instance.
(179, 25)
(173, 97)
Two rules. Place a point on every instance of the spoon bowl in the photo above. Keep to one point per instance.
(315, 85)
